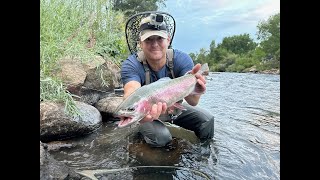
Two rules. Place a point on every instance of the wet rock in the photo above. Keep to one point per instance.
(52, 169)
(57, 145)
(92, 96)
(55, 124)
(109, 104)
(95, 74)
(104, 76)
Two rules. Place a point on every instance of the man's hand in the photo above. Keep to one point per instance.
(193, 99)
(156, 111)
(201, 81)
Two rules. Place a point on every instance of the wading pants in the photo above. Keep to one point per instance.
(194, 118)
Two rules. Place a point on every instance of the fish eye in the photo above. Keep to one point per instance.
(130, 109)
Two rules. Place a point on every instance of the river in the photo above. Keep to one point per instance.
(246, 142)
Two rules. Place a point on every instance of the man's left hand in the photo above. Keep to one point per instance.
(201, 82)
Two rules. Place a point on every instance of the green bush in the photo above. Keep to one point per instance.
(235, 68)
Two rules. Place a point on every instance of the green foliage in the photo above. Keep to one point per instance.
(193, 57)
(202, 56)
(266, 65)
(235, 68)
(53, 90)
(210, 59)
(218, 67)
(111, 42)
(239, 53)
(212, 45)
(131, 7)
(230, 59)
(76, 28)
(219, 54)
(258, 54)
(238, 44)
(247, 61)
(269, 34)
(224, 63)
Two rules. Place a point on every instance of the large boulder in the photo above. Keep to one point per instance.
(56, 124)
(90, 80)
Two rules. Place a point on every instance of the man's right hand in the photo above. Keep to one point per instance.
(156, 111)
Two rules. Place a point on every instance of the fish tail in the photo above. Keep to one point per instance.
(204, 69)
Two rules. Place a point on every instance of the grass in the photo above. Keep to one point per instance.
(66, 28)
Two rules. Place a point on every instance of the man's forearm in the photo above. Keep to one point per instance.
(193, 99)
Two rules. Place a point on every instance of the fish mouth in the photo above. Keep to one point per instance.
(125, 121)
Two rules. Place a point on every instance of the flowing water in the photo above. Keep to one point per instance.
(246, 143)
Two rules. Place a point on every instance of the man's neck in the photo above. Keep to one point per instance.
(156, 65)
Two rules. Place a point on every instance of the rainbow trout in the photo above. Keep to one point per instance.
(166, 90)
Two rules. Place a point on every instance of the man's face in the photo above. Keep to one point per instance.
(155, 47)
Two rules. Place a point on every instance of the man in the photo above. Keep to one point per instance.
(154, 42)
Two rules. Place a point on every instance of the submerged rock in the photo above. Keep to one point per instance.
(52, 169)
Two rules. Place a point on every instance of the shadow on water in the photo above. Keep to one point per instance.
(246, 144)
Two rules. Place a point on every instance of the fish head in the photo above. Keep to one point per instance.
(130, 113)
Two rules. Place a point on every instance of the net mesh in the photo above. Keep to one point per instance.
(132, 28)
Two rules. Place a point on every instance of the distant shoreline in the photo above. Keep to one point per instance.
(272, 71)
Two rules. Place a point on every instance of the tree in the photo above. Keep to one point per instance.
(211, 50)
(202, 56)
(211, 58)
(269, 34)
(193, 56)
(219, 54)
(238, 44)
(212, 45)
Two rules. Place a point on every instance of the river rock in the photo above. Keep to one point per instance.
(55, 124)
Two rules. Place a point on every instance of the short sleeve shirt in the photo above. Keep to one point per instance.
(132, 69)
